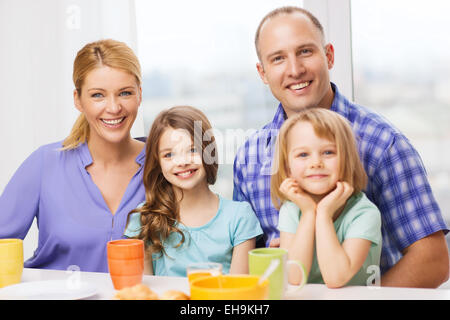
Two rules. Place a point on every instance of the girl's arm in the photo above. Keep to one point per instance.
(148, 264)
(338, 263)
(300, 245)
(239, 260)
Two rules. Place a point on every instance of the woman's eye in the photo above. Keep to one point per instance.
(97, 95)
(125, 93)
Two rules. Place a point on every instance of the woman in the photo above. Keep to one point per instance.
(82, 189)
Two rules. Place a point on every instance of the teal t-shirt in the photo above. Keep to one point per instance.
(234, 223)
(359, 219)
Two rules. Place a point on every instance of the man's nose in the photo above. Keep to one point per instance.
(295, 67)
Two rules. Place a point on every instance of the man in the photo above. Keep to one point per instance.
(295, 62)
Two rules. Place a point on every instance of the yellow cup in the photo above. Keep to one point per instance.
(11, 261)
(229, 287)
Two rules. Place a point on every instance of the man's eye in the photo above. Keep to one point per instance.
(305, 52)
(277, 59)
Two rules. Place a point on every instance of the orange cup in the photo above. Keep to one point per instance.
(125, 262)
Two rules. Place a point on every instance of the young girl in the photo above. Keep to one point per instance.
(182, 221)
(325, 220)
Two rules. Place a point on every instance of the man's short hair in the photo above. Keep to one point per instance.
(286, 10)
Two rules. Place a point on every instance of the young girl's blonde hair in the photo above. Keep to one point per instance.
(328, 125)
(161, 211)
(111, 53)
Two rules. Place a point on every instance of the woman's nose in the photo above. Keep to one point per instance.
(113, 105)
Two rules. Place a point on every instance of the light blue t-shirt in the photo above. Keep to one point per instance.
(359, 219)
(234, 223)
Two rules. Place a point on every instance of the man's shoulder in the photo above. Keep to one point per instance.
(254, 140)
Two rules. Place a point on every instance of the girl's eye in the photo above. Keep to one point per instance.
(97, 95)
(302, 154)
(329, 152)
(168, 155)
(193, 149)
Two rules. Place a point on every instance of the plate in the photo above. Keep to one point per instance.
(48, 290)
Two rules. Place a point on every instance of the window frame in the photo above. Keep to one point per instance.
(335, 17)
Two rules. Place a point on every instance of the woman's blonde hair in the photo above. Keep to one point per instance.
(161, 211)
(328, 125)
(111, 53)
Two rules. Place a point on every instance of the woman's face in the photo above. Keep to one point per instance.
(313, 161)
(109, 100)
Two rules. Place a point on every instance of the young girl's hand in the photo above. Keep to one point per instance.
(335, 199)
(291, 189)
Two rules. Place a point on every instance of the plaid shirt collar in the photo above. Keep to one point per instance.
(273, 127)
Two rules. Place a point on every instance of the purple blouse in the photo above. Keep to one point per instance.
(73, 219)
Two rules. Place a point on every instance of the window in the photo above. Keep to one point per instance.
(202, 54)
(401, 52)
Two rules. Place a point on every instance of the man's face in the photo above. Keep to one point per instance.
(295, 63)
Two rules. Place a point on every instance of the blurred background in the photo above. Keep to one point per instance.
(391, 56)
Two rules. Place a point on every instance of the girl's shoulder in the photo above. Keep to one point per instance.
(238, 207)
(359, 206)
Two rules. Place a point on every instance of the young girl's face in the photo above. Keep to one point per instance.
(313, 161)
(181, 163)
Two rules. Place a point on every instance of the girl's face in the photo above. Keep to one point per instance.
(109, 100)
(313, 161)
(180, 161)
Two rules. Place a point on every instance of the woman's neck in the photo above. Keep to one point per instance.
(111, 153)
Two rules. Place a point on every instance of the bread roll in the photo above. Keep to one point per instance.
(174, 295)
(137, 292)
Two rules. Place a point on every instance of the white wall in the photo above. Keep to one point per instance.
(39, 41)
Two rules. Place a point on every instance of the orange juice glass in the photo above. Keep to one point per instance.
(203, 269)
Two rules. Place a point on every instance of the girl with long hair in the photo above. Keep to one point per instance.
(182, 221)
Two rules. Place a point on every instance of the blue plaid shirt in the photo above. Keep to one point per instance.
(397, 184)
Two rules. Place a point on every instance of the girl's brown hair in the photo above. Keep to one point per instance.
(160, 212)
(111, 53)
(329, 125)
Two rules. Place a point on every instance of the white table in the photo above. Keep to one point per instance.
(310, 292)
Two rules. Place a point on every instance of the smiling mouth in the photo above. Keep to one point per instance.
(113, 122)
(317, 176)
(185, 174)
(299, 86)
